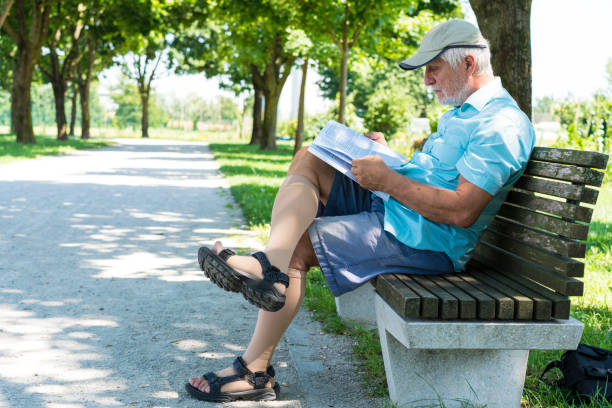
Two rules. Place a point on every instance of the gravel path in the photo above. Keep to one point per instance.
(102, 303)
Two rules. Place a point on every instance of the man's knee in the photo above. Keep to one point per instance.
(303, 257)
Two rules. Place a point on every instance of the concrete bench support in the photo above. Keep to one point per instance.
(357, 306)
(483, 362)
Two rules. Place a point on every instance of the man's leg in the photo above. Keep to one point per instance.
(309, 179)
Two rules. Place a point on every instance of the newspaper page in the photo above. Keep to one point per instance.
(338, 145)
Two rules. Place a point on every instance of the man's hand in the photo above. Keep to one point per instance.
(371, 172)
(377, 137)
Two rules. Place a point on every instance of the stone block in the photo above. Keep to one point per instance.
(357, 306)
(480, 362)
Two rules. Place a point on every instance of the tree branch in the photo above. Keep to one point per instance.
(5, 11)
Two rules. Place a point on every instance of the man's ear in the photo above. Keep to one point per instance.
(470, 64)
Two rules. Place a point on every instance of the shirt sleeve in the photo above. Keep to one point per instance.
(492, 155)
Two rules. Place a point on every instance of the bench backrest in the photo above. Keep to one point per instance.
(543, 225)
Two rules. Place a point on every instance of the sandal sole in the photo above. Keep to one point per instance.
(262, 294)
(264, 394)
(218, 271)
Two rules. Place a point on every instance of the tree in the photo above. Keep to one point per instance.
(371, 25)
(64, 53)
(5, 11)
(142, 68)
(28, 27)
(299, 130)
(506, 24)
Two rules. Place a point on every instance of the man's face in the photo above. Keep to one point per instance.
(450, 85)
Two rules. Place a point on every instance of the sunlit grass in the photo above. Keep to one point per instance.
(254, 177)
(11, 151)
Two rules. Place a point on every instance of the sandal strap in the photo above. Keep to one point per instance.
(258, 379)
(215, 382)
(226, 253)
(240, 367)
(271, 273)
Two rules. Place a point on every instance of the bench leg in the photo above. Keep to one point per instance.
(357, 306)
(416, 377)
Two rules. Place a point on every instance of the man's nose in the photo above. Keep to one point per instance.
(428, 79)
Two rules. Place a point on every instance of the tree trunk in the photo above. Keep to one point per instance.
(144, 122)
(256, 134)
(506, 24)
(84, 99)
(5, 11)
(299, 131)
(344, 53)
(268, 140)
(73, 108)
(59, 94)
(21, 104)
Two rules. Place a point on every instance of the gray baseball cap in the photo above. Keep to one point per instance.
(451, 34)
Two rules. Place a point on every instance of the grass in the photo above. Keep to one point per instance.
(11, 151)
(254, 177)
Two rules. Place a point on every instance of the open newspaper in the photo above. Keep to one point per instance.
(338, 145)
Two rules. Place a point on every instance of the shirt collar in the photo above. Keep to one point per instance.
(483, 95)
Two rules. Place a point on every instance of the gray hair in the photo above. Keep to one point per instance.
(482, 56)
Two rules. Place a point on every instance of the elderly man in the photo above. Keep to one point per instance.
(441, 200)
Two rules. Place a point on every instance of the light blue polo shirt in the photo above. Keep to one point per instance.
(488, 141)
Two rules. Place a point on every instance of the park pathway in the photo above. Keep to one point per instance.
(102, 303)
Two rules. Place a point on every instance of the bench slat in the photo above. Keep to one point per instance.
(429, 302)
(565, 266)
(485, 303)
(546, 222)
(568, 156)
(542, 306)
(582, 175)
(448, 306)
(554, 243)
(555, 188)
(503, 303)
(523, 309)
(500, 259)
(560, 208)
(560, 303)
(399, 296)
(467, 304)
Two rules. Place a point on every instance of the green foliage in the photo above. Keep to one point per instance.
(129, 107)
(587, 123)
(545, 105)
(312, 125)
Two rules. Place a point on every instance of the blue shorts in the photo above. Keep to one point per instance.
(352, 246)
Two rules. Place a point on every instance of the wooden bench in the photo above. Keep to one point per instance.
(454, 336)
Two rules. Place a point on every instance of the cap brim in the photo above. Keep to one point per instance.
(418, 60)
(424, 58)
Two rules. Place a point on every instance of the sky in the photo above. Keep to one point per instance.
(571, 43)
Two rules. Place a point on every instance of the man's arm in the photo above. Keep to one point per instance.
(461, 207)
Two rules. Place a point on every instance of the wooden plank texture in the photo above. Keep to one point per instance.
(558, 189)
(567, 156)
(542, 305)
(582, 175)
(549, 223)
(550, 242)
(523, 306)
(504, 305)
(485, 304)
(448, 306)
(405, 301)
(547, 205)
(467, 304)
(565, 266)
(500, 259)
(560, 303)
(429, 302)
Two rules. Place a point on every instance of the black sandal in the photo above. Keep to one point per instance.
(259, 292)
(258, 380)
(215, 268)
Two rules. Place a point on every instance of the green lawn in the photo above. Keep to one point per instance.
(11, 151)
(254, 177)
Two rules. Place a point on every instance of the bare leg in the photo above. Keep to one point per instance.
(271, 326)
